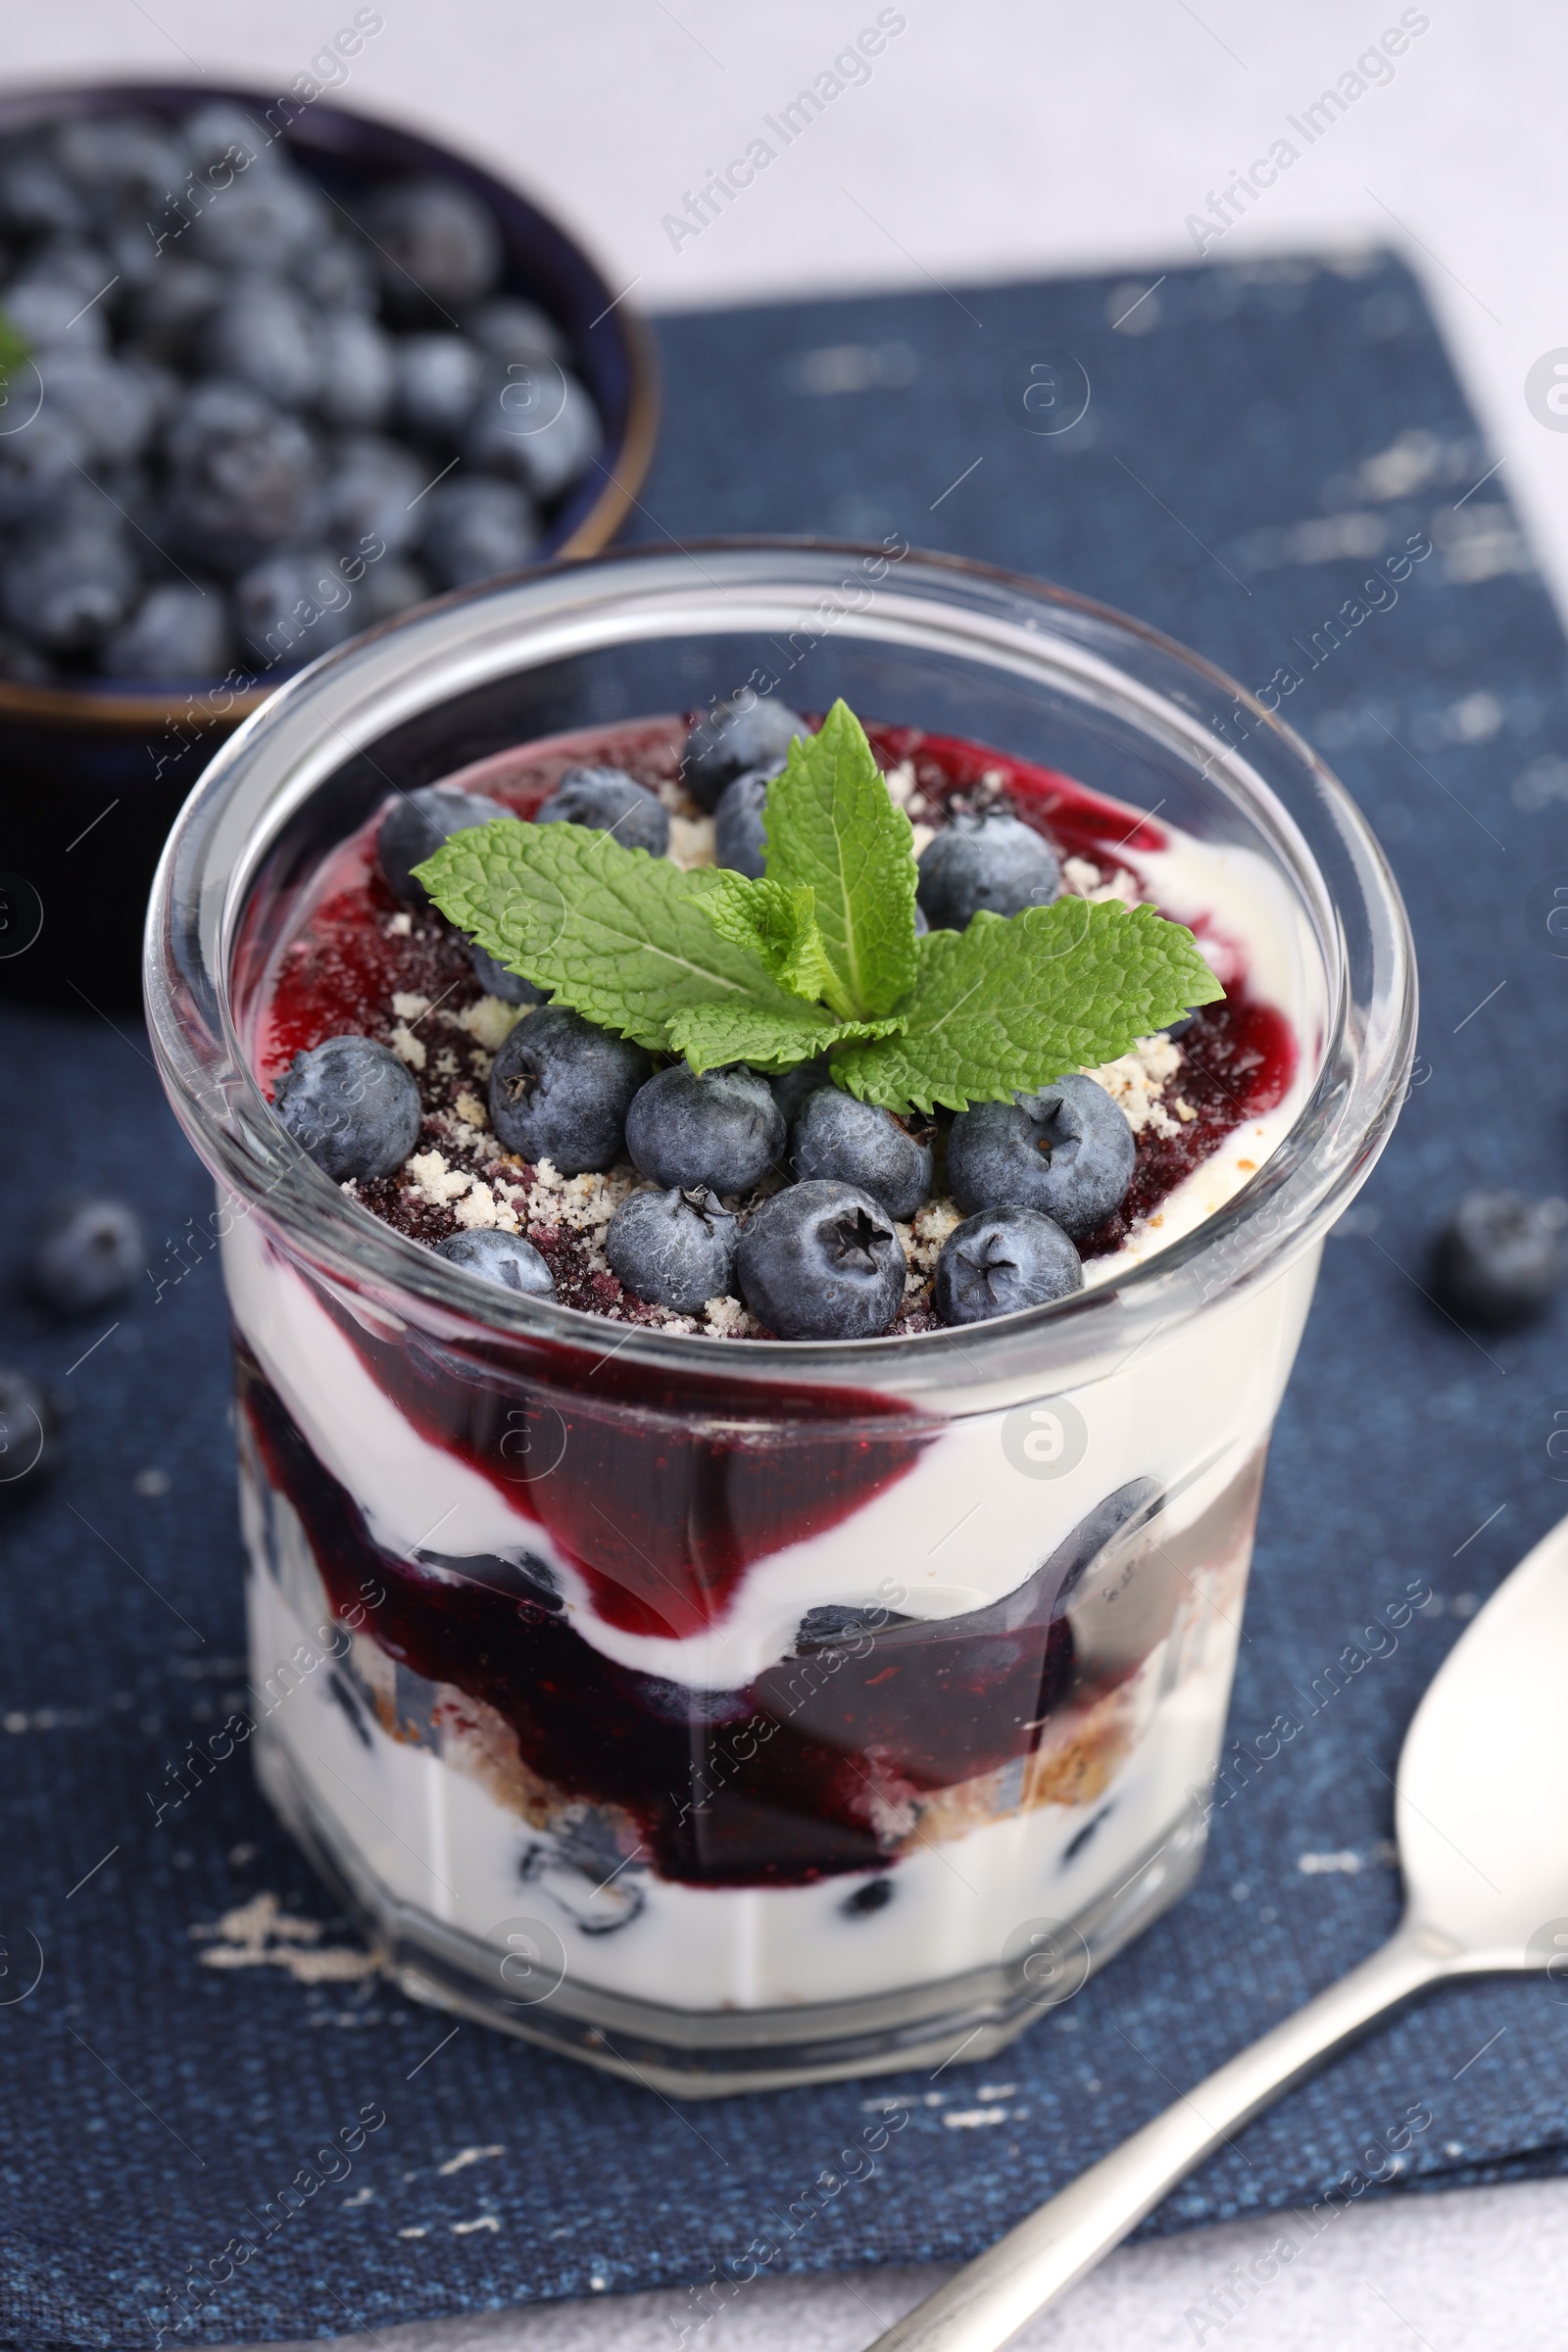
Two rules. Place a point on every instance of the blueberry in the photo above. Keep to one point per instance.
(261, 335)
(39, 462)
(416, 824)
(854, 1143)
(536, 426)
(89, 1255)
(496, 981)
(127, 166)
(26, 1433)
(507, 328)
(993, 862)
(1499, 1259)
(504, 1258)
(220, 139)
(291, 607)
(241, 477)
(475, 529)
(1002, 1261)
(740, 841)
(674, 1249)
(1067, 1153)
(369, 495)
(722, 1129)
(263, 221)
(388, 588)
(821, 1261)
(792, 1088)
(35, 195)
(747, 732)
(167, 315)
(45, 309)
(436, 381)
(175, 632)
(561, 1090)
(439, 247)
(112, 404)
(353, 370)
(337, 278)
(352, 1106)
(611, 802)
(64, 589)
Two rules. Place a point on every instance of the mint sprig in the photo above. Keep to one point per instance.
(821, 956)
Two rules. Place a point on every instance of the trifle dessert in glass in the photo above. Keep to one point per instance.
(773, 1114)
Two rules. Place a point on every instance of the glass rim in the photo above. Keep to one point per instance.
(338, 708)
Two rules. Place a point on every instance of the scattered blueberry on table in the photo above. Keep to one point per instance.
(1500, 1258)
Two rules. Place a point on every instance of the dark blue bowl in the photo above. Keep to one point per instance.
(94, 773)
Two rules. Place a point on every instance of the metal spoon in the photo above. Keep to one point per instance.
(1480, 1812)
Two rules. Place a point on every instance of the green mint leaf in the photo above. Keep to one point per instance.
(1010, 1004)
(713, 1035)
(780, 925)
(15, 349)
(832, 824)
(619, 936)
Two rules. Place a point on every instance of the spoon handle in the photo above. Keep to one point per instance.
(985, 2304)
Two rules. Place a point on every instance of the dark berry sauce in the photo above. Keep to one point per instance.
(815, 1769)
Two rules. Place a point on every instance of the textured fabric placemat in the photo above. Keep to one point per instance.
(1258, 442)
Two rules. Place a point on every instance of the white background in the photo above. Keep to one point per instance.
(1001, 138)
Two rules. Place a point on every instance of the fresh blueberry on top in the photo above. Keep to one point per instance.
(1000, 1260)
(1067, 1153)
(611, 802)
(36, 465)
(1500, 1258)
(821, 1261)
(790, 1089)
(93, 1252)
(352, 1106)
(561, 1089)
(995, 862)
(504, 1258)
(263, 221)
(497, 981)
(733, 736)
(417, 823)
(722, 1129)
(740, 841)
(835, 1136)
(674, 1249)
(440, 247)
(475, 529)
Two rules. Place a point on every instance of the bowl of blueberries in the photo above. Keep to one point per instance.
(270, 374)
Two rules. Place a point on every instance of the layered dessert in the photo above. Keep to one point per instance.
(783, 1697)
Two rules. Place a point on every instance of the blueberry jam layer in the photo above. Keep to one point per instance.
(357, 961)
(828, 1762)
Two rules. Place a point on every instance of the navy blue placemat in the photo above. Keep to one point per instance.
(1258, 443)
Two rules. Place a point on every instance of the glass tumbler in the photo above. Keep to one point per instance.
(741, 1713)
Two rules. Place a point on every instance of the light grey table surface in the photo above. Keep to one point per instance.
(1071, 138)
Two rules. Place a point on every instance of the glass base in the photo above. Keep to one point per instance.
(689, 2054)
